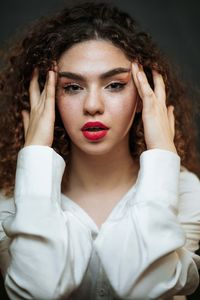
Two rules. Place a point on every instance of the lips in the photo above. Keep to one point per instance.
(94, 131)
(94, 126)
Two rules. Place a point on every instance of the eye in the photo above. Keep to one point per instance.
(72, 88)
(116, 86)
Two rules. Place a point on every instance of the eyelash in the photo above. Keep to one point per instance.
(68, 88)
(120, 85)
(74, 88)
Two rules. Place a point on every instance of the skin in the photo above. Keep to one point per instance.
(96, 99)
(102, 171)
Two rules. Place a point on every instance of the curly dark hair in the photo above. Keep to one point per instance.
(44, 43)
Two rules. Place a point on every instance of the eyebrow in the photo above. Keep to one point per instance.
(105, 75)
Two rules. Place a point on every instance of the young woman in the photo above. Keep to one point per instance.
(106, 192)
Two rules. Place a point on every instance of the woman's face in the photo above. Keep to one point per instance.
(95, 85)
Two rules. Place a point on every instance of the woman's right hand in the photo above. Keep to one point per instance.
(39, 123)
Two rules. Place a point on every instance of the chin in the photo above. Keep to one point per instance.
(95, 148)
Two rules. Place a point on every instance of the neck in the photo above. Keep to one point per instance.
(100, 173)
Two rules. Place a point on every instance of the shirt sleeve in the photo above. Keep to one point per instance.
(189, 208)
(153, 251)
(43, 242)
(7, 209)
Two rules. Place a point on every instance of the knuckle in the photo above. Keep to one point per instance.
(148, 93)
(36, 109)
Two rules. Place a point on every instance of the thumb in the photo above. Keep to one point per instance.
(25, 117)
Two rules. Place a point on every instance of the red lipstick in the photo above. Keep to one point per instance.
(94, 130)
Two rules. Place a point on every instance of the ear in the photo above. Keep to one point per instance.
(139, 104)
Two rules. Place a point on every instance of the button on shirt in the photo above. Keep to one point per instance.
(51, 249)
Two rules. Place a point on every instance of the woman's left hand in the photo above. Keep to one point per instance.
(158, 119)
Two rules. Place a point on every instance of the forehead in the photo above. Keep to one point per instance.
(92, 56)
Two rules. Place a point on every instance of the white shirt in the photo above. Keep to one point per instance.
(144, 249)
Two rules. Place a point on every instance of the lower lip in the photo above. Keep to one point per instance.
(94, 135)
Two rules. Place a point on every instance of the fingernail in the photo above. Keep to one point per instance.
(55, 66)
(140, 76)
(135, 65)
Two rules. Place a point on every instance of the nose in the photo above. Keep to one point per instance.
(93, 103)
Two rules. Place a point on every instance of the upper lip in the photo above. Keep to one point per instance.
(94, 124)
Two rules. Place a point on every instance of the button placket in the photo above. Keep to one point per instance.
(94, 235)
(102, 289)
(102, 292)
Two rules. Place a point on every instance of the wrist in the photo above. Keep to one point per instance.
(170, 148)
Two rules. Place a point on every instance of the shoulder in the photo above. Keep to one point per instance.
(189, 181)
(189, 208)
(189, 196)
(6, 204)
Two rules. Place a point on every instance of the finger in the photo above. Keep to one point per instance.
(56, 72)
(44, 91)
(55, 66)
(55, 69)
(171, 118)
(159, 86)
(25, 118)
(135, 70)
(144, 89)
(34, 89)
(50, 91)
(141, 81)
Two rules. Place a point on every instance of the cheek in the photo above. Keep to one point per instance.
(126, 112)
(131, 102)
(126, 105)
(68, 112)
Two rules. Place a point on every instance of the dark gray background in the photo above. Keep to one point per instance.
(174, 25)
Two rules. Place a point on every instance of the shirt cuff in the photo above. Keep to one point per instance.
(39, 173)
(158, 178)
